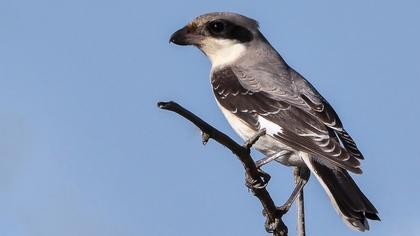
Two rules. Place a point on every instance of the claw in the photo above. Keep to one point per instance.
(259, 183)
(266, 178)
(251, 183)
(270, 227)
(276, 226)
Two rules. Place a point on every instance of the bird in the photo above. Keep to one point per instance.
(256, 89)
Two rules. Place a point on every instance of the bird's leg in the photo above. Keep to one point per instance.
(250, 142)
(301, 174)
(250, 182)
(271, 158)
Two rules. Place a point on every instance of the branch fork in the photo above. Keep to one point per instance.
(255, 179)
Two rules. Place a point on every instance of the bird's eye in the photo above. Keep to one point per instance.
(217, 26)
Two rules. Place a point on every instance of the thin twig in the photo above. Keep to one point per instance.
(254, 176)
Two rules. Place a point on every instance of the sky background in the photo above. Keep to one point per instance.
(85, 151)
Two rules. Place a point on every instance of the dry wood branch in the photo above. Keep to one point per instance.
(256, 179)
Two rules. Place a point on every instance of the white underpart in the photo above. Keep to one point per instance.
(305, 158)
(222, 52)
(237, 124)
(270, 127)
(244, 131)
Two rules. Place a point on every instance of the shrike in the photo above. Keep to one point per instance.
(256, 89)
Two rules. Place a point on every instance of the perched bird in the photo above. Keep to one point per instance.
(256, 89)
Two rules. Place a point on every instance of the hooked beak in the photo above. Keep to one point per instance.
(185, 36)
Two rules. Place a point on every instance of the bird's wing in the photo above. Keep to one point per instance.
(282, 83)
(288, 122)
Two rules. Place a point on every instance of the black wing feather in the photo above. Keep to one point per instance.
(302, 130)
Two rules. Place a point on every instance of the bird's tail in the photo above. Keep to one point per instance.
(350, 203)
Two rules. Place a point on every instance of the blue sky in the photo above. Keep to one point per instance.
(85, 151)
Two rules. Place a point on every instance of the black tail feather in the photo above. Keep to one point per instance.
(350, 202)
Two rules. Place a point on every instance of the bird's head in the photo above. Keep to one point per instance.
(222, 36)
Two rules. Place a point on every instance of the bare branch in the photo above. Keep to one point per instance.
(256, 179)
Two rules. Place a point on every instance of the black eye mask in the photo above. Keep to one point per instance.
(223, 29)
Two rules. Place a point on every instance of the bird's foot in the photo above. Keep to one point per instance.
(258, 183)
(271, 226)
(282, 210)
(275, 226)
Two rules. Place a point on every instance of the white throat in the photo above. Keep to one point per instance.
(222, 52)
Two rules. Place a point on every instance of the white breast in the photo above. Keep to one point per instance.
(240, 127)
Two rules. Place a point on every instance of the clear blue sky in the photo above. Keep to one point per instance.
(85, 151)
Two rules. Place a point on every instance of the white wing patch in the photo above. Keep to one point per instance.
(270, 127)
